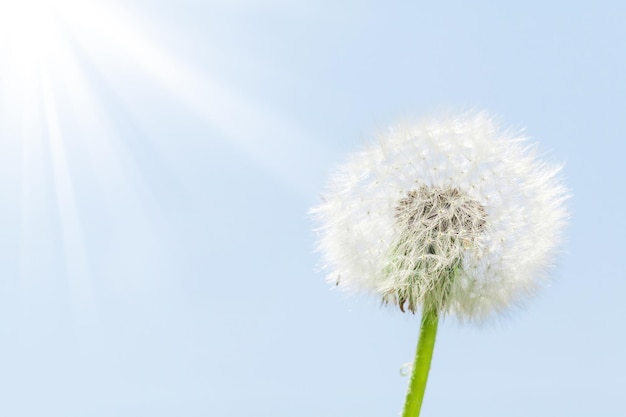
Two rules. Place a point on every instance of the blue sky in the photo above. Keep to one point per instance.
(157, 161)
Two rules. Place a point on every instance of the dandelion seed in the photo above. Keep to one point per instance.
(453, 212)
(453, 215)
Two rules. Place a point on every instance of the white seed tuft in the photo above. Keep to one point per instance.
(453, 213)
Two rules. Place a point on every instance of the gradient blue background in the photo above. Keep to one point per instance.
(187, 227)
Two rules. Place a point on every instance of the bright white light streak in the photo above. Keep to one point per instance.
(32, 175)
(25, 28)
(256, 131)
(119, 185)
(76, 259)
(35, 53)
(98, 136)
(29, 35)
(31, 48)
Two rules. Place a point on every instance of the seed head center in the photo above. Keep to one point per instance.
(436, 226)
(434, 212)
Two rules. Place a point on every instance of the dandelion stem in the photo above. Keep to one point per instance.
(421, 365)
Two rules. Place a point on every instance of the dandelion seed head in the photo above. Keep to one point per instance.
(454, 212)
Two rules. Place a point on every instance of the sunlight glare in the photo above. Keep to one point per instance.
(28, 30)
(63, 66)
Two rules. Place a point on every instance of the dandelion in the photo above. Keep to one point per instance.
(453, 215)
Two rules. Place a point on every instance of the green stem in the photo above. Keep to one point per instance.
(421, 365)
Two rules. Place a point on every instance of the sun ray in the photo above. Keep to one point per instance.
(63, 120)
(276, 144)
(31, 175)
(76, 258)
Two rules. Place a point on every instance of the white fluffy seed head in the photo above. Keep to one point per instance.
(452, 213)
